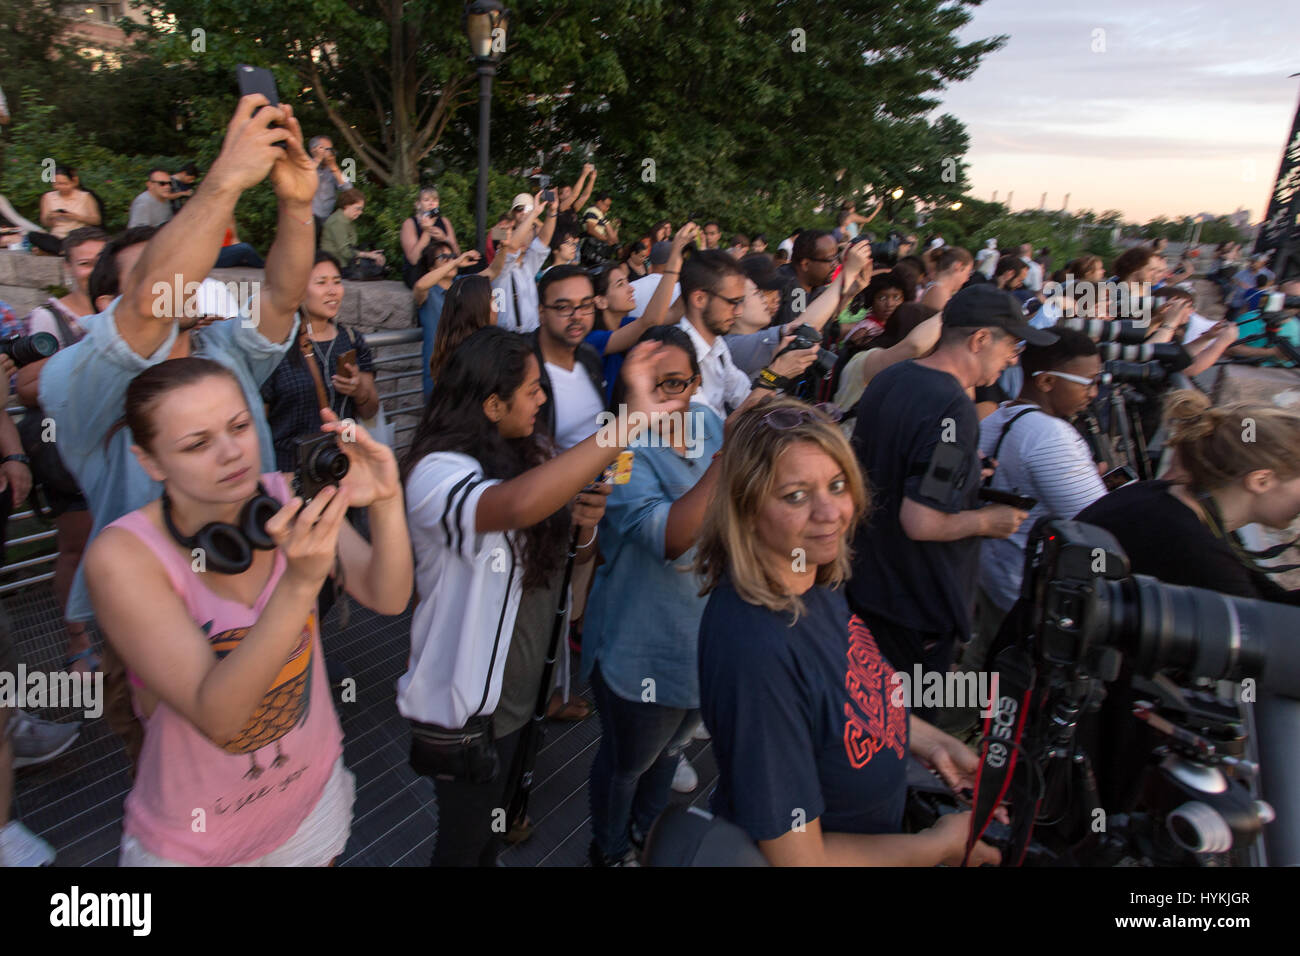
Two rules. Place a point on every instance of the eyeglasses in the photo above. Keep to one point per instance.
(821, 413)
(158, 182)
(442, 256)
(566, 311)
(1077, 379)
(675, 386)
(736, 304)
(834, 258)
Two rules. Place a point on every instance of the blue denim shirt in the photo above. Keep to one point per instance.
(643, 617)
(83, 389)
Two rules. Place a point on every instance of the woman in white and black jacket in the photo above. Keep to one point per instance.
(488, 510)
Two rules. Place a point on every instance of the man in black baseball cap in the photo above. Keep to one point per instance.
(987, 306)
(917, 437)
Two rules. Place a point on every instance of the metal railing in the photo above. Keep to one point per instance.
(385, 339)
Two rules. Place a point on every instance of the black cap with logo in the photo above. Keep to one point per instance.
(985, 305)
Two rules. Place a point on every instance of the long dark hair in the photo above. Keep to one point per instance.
(489, 362)
(669, 335)
(466, 309)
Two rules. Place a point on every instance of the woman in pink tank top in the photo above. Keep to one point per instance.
(209, 595)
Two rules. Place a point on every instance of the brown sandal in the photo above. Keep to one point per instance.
(576, 709)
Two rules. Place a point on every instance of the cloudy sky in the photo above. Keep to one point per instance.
(1183, 107)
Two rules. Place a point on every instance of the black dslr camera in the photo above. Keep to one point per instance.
(1192, 798)
(26, 349)
(805, 337)
(320, 463)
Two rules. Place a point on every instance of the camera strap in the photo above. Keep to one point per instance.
(1233, 541)
(1001, 765)
(1006, 427)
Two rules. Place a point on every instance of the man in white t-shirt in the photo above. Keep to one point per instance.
(515, 287)
(1039, 454)
(713, 296)
(572, 373)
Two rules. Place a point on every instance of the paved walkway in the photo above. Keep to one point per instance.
(75, 802)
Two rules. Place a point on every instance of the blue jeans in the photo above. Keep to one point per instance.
(240, 254)
(633, 770)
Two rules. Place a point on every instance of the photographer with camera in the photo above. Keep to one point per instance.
(713, 296)
(427, 224)
(1235, 465)
(811, 742)
(1040, 456)
(208, 594)
(917, 438)
(488, 508)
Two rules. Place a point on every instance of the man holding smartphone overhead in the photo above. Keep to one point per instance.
(144, 274)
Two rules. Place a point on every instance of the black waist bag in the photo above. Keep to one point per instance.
(468, 754)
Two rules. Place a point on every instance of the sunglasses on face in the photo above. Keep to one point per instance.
(441, 257)
(1076, 379)
(163, 182)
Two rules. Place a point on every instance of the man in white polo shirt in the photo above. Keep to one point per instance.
(713, 295)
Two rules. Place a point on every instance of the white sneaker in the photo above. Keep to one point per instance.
(39, 741)
(701, 733)
(19, 846)
(685, 779)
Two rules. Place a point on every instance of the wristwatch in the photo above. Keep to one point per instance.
(766, 378)
(19, 458)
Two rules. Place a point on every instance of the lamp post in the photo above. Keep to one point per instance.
(485, 26)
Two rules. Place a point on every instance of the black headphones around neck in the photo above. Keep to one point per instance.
(228, 548)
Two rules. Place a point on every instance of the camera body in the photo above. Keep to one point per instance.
(805, 337)
(1083, 615)
(320, 463)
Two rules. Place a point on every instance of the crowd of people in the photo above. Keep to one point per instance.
(749, 483)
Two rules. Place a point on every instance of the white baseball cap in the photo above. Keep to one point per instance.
(524, 201)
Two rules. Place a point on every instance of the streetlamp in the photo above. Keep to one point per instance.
(956, 206)
(485, 26)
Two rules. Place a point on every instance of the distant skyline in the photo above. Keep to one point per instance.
(1185, 109)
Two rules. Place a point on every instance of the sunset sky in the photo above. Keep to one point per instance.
(1185, 109)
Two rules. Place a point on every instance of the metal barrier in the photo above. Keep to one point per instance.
(385, 339)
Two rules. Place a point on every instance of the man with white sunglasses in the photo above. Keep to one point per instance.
(1040, 455)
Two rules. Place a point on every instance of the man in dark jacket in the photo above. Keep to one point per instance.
(571, 370)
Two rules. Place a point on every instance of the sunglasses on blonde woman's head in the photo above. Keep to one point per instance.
(784, 418)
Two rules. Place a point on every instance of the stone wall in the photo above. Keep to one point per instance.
(367, 307)
(25, 277)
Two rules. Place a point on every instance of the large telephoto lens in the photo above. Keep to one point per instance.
(1104, 330)
(1165, 352)
(1203, 633)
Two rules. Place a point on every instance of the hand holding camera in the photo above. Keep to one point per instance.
(371, 475)
(308, 534)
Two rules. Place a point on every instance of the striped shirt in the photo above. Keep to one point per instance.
(469, 586)
(1041, 456)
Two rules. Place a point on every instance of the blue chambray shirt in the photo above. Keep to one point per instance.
(83, 389)
(643, 616)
